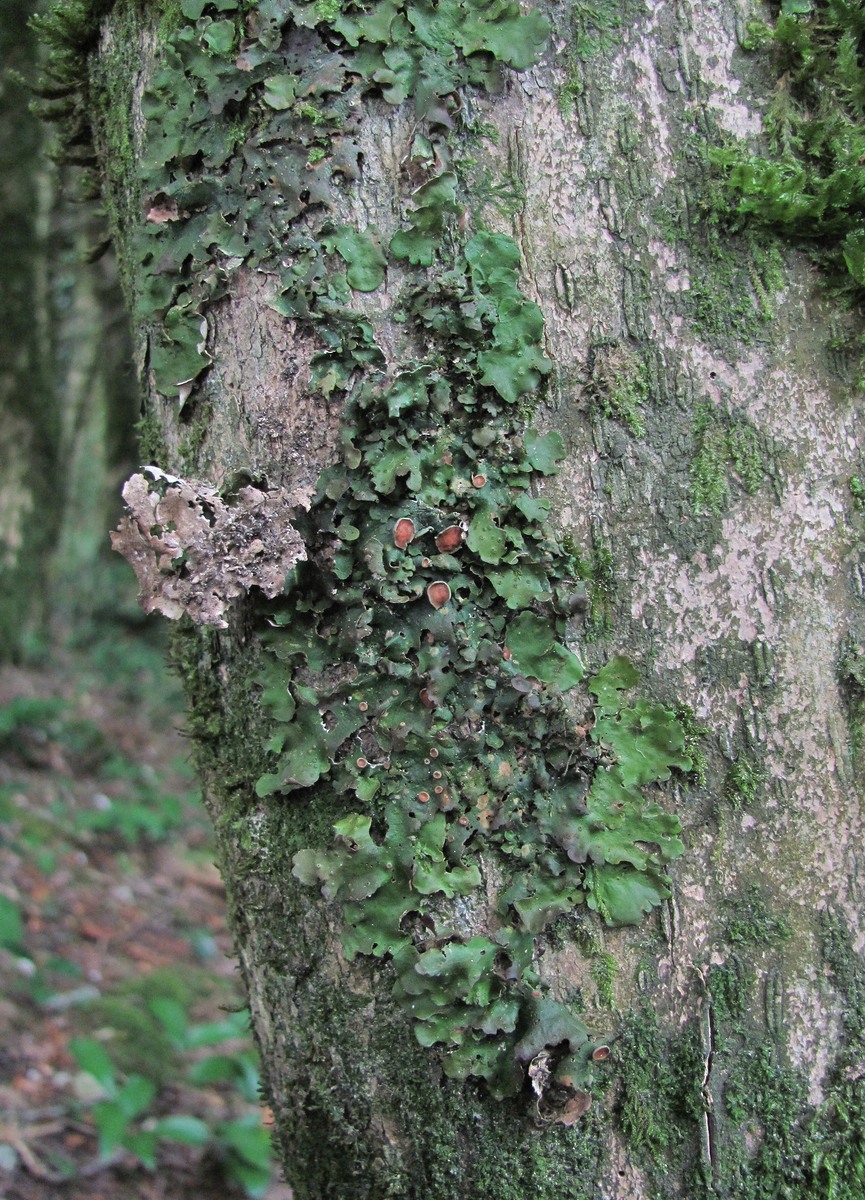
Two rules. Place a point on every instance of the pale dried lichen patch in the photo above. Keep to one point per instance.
(193, 553)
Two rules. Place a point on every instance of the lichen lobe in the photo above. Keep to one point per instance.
(193, 552)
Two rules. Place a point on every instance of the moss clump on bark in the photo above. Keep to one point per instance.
(728, 452)
(660, 1099)
(723, 1114)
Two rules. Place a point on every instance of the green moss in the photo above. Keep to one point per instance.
(709, 486)
(770, 1141)
(744, 782)
(604, 972)
(810, 186)
(768, 1101)
(752, 922)
(727, 452)
(851, 677)
(594, 30)
(196, 435)
(660, 1099)
(171, 18)
(619, 385)
(848, 974)
(695, 732)
(151, 439)
(111, 80)
(311, 112)
(857, 491)
(767, 1141)
(731, 988)
(599, 573)
(729, 299)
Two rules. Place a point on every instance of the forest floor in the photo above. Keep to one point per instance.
(127, 1069)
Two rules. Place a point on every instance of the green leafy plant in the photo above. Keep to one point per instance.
(124, 1116)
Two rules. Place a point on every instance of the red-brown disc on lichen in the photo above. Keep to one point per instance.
(601, 1053)
(438, 593)
(426, 699)
(478, 481)
(403, 532)
(450, 539)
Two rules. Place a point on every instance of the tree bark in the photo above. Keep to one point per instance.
(711, 435)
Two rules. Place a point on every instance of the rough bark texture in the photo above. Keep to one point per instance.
(741, 613)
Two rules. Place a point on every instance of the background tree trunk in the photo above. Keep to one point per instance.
(711, 436)
(67, 396)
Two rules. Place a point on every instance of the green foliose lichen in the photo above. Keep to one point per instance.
(419, 667)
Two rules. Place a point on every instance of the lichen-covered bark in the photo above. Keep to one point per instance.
(711, 438)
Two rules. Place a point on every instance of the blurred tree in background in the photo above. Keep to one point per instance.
(67, 407)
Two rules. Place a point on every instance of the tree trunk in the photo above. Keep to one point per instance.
(66, 393)
(710, 435)
(31, 418)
